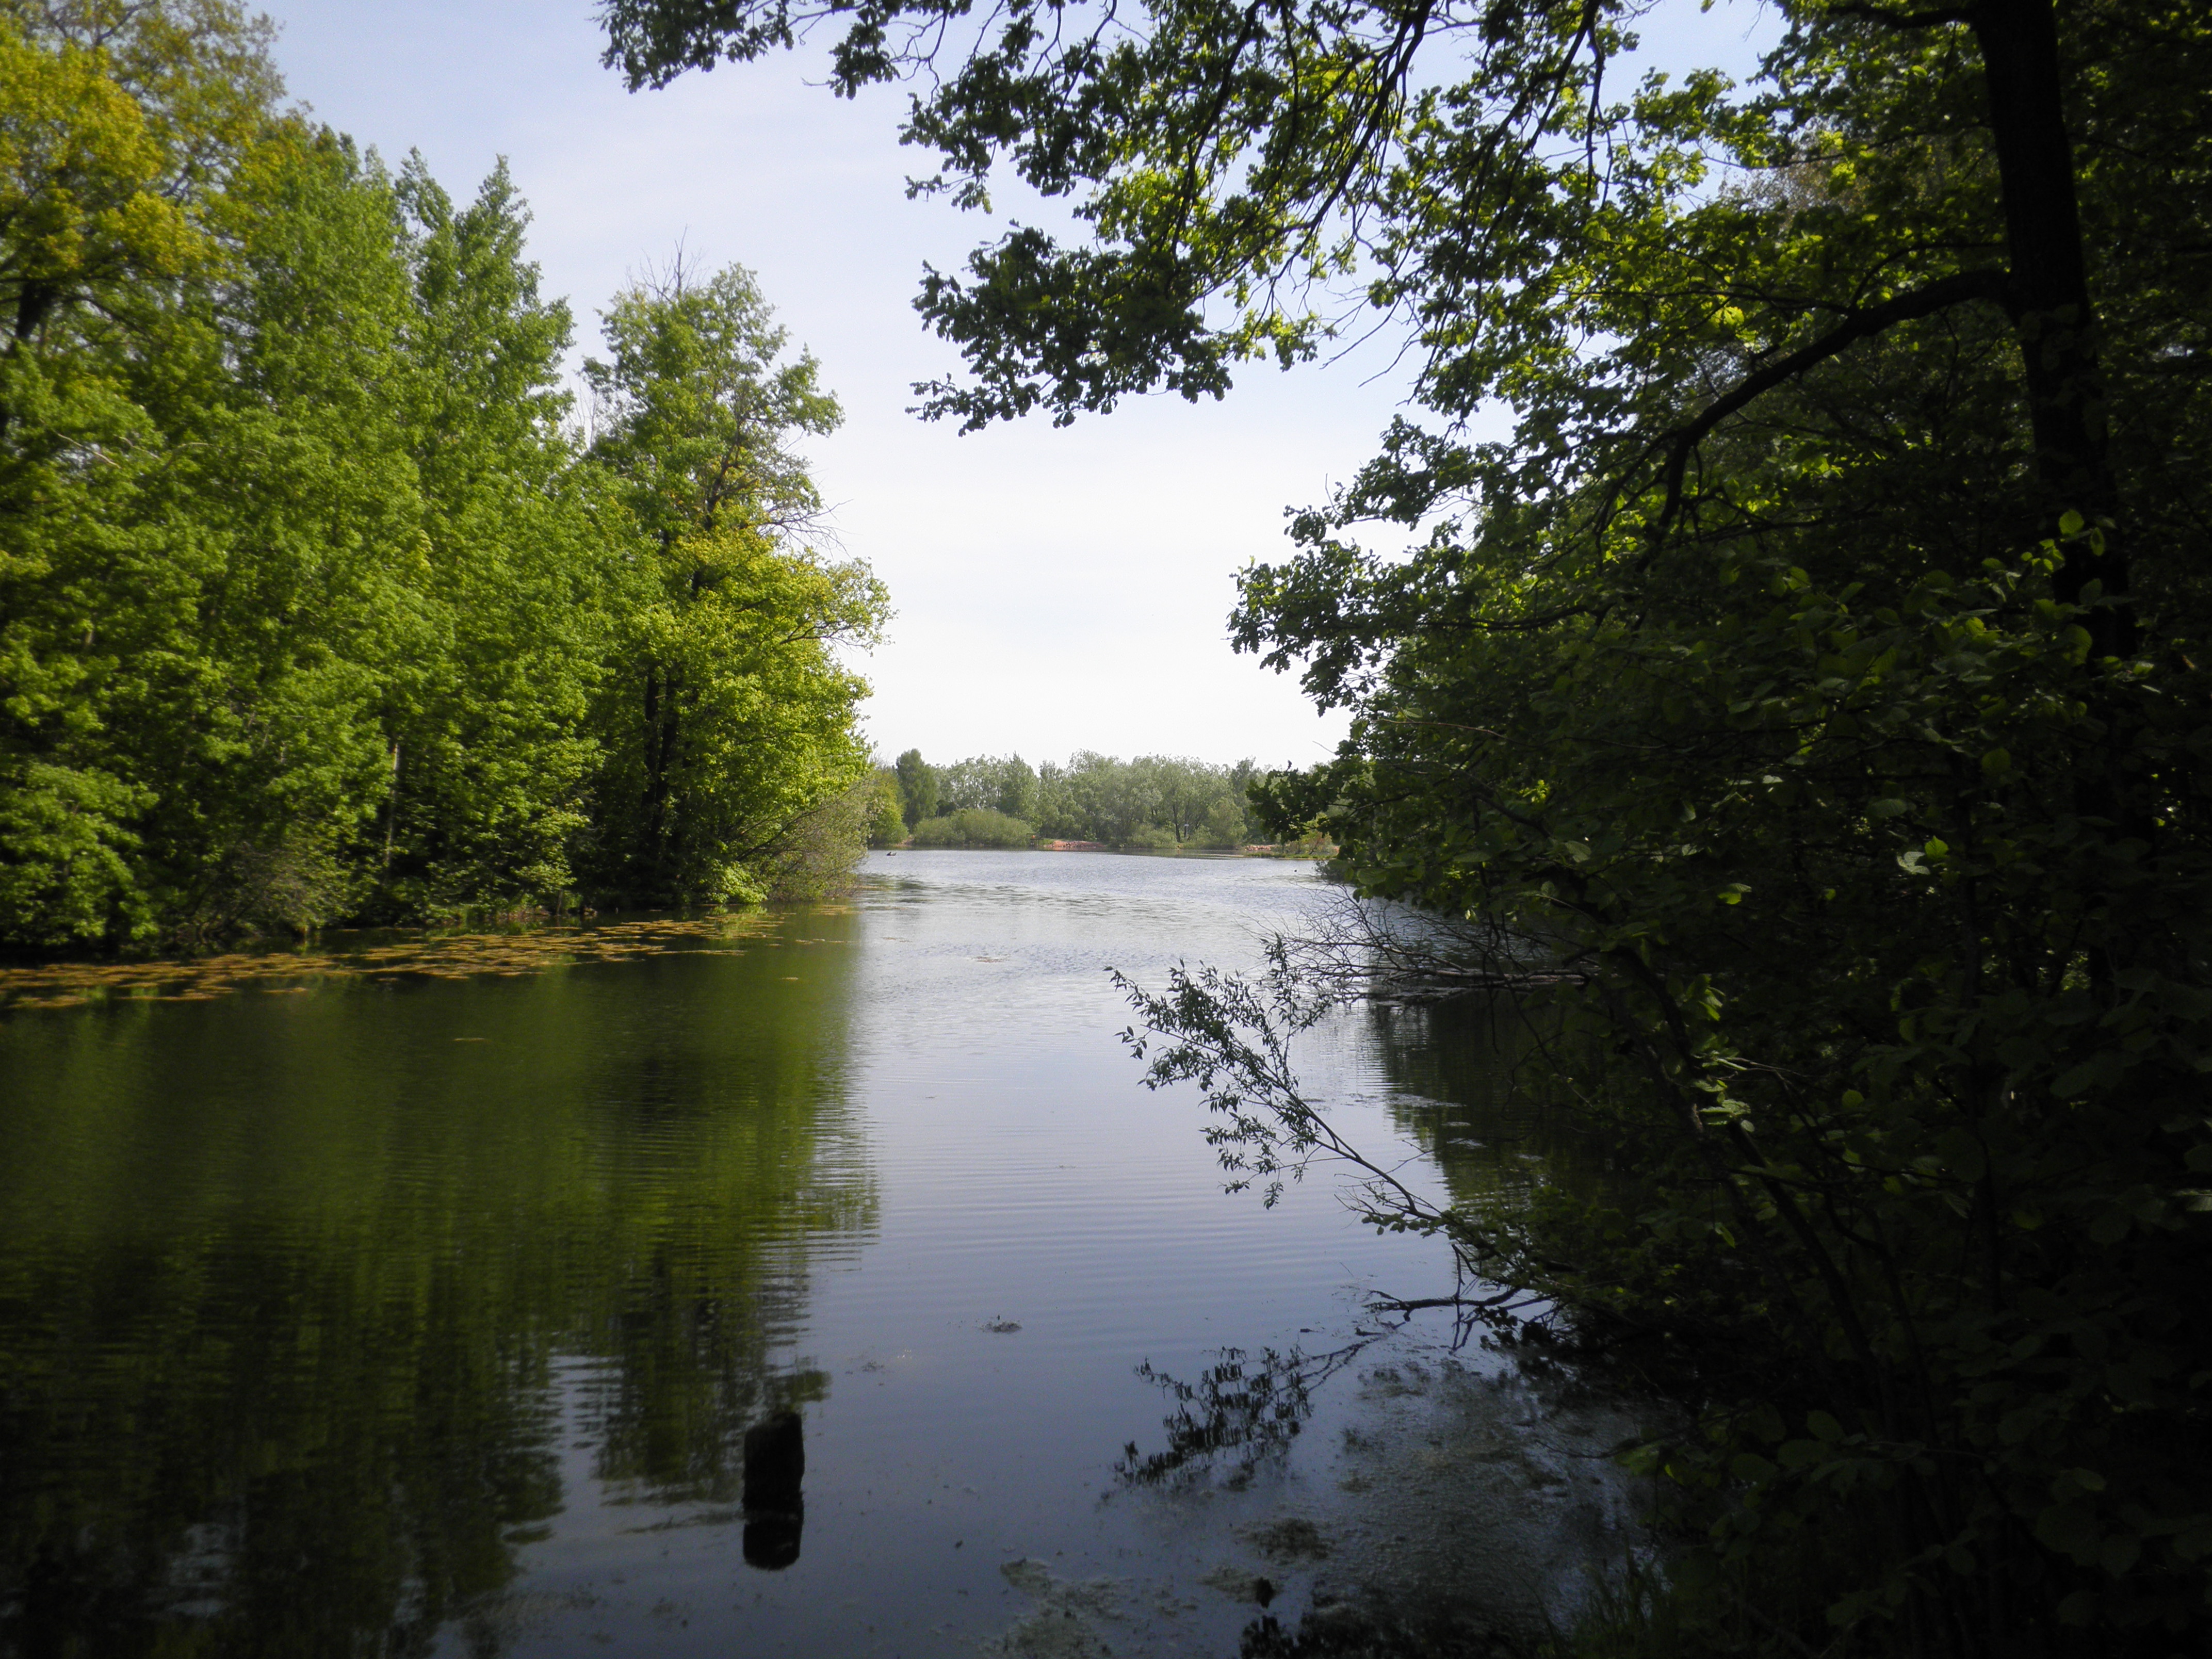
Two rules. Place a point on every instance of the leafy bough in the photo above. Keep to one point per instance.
(1231, 1035)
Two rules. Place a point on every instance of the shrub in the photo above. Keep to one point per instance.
(887, 819)
(973, 826)
(1224, 826)
(815, 856)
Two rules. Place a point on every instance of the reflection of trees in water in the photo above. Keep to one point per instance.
(692, 1368)
(1466, 1084)
(1235, 1416)
(296, 1307)
(1469, 1084)
(297, 1446)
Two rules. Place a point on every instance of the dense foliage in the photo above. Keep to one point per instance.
(311, 606)
(1151, 801)
(973, 826)
(1800, 712)
(732, 719)
(916, 781)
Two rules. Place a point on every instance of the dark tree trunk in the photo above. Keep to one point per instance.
(2053, 314)
(661, 714)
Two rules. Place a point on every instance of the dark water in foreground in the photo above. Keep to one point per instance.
(421, 1304)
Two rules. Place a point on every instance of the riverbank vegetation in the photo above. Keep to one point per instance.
(1154, 801)
(1797, 719)
(316, 603)
(973, 826)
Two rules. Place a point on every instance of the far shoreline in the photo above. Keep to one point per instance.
(1320, 853)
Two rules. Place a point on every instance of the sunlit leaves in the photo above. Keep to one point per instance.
(729, 715)
(310, 607)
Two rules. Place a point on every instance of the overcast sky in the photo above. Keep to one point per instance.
(1055, 589)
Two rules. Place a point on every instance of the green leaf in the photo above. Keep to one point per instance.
(1750, 1467)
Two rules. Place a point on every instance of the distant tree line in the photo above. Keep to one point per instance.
(1151, 801)
(316, 601)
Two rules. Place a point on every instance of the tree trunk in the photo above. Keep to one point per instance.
(2052, 315)
(661, 715)
(656, 767)
(391, 803)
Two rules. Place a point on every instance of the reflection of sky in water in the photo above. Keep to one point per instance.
(672, 1195)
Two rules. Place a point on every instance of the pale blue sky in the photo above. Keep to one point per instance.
(1055, 589)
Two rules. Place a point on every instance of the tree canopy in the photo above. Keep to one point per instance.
(313, 605)
(1797, 715)
(736, 717)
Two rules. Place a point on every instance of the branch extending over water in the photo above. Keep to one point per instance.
(1372, 948)
(1231, 1035)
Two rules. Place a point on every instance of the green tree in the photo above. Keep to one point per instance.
(729, 714)
(917, 782)
(973, 826)
(309, 606)
(198, 630)
(1187, 791)
(287, 401)
(1097, 798)
(1017, 788)
(106, 155)
(1225, 825)
(492, 750)
(1153, 799)
(887, 825)
(994, 783)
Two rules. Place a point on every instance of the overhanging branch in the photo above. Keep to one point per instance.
(1992, 284)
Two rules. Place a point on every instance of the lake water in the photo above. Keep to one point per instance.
(416, 1297)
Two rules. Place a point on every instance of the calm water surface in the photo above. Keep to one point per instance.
(427, 1311)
